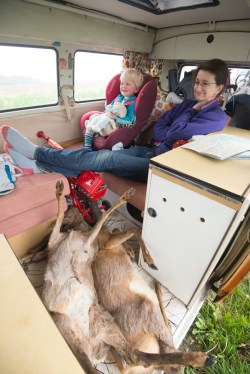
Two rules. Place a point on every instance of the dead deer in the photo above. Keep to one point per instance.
(135, 307)
(69, 292)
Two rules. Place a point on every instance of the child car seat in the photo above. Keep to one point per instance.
(184, 88)
(238, 108)
(144, 104)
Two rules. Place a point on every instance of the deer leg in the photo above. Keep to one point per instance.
(163, 312)
(129, 250)
(73, 336)
(122, 200)
(119, 344)
(120, 238)
(195, 358)
(135, 357)
(192, 359)
(164, 339)
(110, 333)
(55, 235)
(160, 361)
(126, 246)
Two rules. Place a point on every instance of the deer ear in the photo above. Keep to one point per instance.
(130, 251)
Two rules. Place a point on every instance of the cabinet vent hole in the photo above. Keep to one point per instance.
(152, 212)
(164, 199)
(182, 209)
(202, 219)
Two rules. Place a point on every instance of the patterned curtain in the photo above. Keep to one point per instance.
(141, 62)
(153, 66)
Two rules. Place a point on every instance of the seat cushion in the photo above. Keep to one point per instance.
(33, 201)
(119, 185)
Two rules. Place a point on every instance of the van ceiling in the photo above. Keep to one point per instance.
(226, 10)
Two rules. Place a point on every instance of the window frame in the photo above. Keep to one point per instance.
(196, 64)
(171, 6)
(92, 52)
(57, 78)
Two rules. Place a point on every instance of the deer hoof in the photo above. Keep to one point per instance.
(211, 360)
(153, 266)
(59, 187)
(127, 195)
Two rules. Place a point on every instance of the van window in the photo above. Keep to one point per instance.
(186, 69)
(28, 77)
(238, 76)
(92, 72)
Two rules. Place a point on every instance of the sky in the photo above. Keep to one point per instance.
(31, 62)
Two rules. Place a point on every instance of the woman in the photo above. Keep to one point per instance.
(192, 117)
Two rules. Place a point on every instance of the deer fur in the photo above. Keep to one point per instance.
(135, 307)
(69, 292)
(91, 329)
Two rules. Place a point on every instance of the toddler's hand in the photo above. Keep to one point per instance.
(111, 115)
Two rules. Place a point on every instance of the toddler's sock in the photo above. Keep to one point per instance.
(117, 147)
(27, 165)
(88, 140)
(17, 141)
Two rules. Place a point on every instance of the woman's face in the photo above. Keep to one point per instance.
(205, 87)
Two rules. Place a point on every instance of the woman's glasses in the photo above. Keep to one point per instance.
(203, 83)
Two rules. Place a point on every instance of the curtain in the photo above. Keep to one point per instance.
(141, 62)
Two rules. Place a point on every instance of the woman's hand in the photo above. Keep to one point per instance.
(198, 106)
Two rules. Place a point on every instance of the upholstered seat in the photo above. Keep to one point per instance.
(143, 107)
(32, 202)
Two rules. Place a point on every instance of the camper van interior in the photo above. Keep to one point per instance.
(61, 62)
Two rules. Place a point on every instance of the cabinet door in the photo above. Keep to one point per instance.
(182, 229)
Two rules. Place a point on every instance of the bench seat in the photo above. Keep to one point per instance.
(33, 201)
(28, 212)
(119, 185)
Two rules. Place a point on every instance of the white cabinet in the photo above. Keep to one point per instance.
(190, 216)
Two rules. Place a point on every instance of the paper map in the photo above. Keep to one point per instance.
(221, 146)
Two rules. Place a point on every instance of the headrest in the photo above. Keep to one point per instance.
(113, 87)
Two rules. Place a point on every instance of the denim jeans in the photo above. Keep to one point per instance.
(130, 163)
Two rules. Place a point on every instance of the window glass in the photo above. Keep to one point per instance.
(186, 69)
(28, 77)
(238, 76)
(92, 72)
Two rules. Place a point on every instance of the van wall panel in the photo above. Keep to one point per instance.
(230, 46)
(53, 123)
(248, 56)
(21, 19)
(242, 25)
(165, 49)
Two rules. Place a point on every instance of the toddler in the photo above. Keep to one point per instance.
(131, 82)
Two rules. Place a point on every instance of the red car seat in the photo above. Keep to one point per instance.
(143, 107)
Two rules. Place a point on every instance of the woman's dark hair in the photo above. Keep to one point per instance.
(217, 67)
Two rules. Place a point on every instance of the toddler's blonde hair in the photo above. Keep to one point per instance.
(134, 75)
